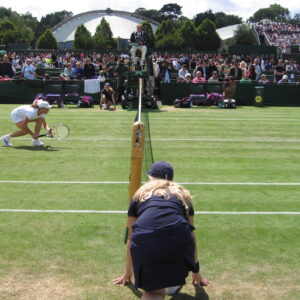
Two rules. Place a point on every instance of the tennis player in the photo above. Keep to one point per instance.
(23, 115)
(161, 246)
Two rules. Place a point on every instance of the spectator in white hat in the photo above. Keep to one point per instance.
(24, 114)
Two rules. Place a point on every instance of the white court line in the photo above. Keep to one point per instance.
(177, 119)
(124, 212)
(126, 182)
(184, 139)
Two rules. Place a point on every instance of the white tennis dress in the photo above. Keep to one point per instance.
(21, 112)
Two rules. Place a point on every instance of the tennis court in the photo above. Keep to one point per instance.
(62, 207)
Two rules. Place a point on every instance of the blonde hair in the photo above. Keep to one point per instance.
(164, 189)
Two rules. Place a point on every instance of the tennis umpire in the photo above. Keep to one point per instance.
(161, 246)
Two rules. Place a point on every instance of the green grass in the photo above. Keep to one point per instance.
(75, 256)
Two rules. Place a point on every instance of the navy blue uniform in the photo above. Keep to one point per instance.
(162, 246)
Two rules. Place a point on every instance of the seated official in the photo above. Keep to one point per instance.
(141, 40)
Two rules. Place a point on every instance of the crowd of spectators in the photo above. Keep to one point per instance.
(163, 67)
(281, 35)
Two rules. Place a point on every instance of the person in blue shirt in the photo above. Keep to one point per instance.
(161, 246)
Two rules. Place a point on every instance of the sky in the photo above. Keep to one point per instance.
(190, 8)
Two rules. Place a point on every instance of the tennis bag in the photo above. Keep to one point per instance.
(214, 98)
(183, 103)
(227, 103)
(85, 102)
(198, 99)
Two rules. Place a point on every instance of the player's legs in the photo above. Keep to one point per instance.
(154, 295)
(133, 54)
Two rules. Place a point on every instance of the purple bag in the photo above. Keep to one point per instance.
(214, 99)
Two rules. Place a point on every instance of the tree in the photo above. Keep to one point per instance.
(151, 14)
(207, 37)
(103, 38)
(223, 20)
(198, 19)
(188, 34)
(170, 41)
(148, 29)
(50, 20)
(47, 41)
(274, 12)
(171, 11)
(244, 35)
(167, 27)
(83, 39)
(8, 32)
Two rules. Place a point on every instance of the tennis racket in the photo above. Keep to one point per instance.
(58, 132)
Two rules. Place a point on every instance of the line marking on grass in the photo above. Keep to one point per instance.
(127, 182)
(125, 212)
(184, 139)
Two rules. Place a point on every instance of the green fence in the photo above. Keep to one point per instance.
(24, 91)
(274, 94)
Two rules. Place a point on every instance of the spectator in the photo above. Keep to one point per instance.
(291, 69)
(182, 72)
(279, 70)
(236, 72)
(110, 67)
(78, 70)
(6, 68)
(284, 80)
(28, 71)
(187, 78)
(199, 78)
(203, 68)
(246, 79)
(88, 69)
(263, 79)
(165, 71)
(161, 245)
(40, 71)
(68, 73)
(121, 71)
(214, 78)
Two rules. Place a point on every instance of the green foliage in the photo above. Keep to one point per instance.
(170, 41)
(188, 34)
(47, 41)
(151, 13)
(207, 37)
(167, 27)
(83, 38)
(8, 32)
(220, 19)
(171, 11)
(223, 20)
(50, 20)
(103, 38)
(274, 12)
(244, 35)
(148, 29)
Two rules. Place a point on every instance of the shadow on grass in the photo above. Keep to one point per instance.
(136, 292)
(34, 148)
(200, 294)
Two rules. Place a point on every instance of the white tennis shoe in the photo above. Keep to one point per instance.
(37, 142)
(6, 141)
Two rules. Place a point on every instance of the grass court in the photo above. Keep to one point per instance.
(242, 166)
